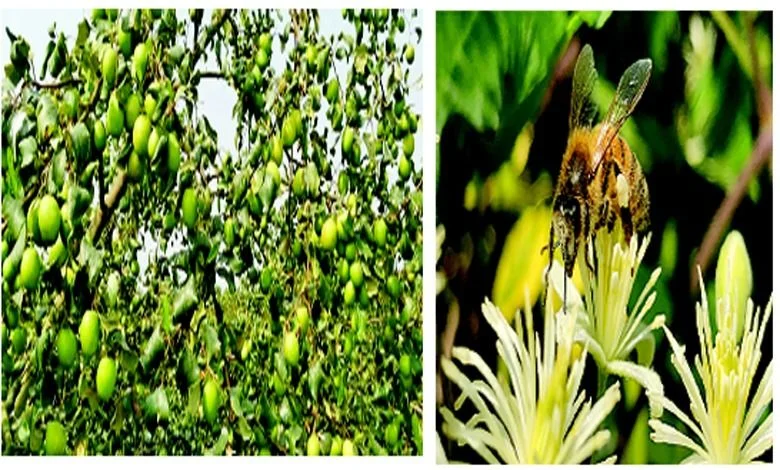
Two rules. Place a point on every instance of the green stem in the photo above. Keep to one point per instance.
(602, 383)
(735, 40)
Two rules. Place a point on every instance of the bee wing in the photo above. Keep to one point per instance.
(632, 85)
(585, 75)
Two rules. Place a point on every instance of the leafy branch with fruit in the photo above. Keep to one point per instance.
(164, 295)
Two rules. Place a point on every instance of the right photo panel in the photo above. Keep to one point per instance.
(604, 237)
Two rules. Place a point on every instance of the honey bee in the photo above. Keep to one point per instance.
(600, 181)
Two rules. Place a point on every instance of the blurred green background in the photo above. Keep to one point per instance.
(702, 133)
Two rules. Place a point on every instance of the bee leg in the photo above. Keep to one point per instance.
(628, 223)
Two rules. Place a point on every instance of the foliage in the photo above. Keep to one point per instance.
(214, 291)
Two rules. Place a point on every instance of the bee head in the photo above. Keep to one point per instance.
(567, 227)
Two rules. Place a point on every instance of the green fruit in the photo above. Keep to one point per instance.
(356, 274)
(349, 293)
(311, 55)
(70, 104)
(364, 300)
(380, 232)
(298, 185)
(335, 447)
(211, 401)
(277, 151)
(348, 449)
(115, 118)
(391, 434)
(141, 131)
(149, 104)
(56, 440)
(332, 93)
(189, 208)
(154, 140)
(347, 138)
(405, 365)
(273, 170)
(262, 59)
(408, 145)
(174, 153)
(108, 66)
(30, 269)
(288, 131)
(66, 348)
(112, 289)
(132, 110)
(265, 279)
(106, 378)
(265, 41)
(302, 317)
(99, 135)
(5, 248)
(125, 40)
(135, 166)
(19, 340)
(229, 232)
(140, 61)
(313, 445)
(32, 221)
(49, 218)
(350, 252)
(290, 348)
(328, 234)
(89, 333)
(409, 53)
(343, 270)
(394, 286)
(404, 168)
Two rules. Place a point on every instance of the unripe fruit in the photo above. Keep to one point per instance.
(49, 218)
(349, 293)
(347, 138)
(277, 152)
(394, 286)
(174, 153)
(265, 41)
(32, 221)
(115, 118)
(211, 401)
(132, 110)
(335, 447)
(89, 333)
(125, 40)
(404, 168)
(108, 66)
(135, 166)
(288, 132)
(328, 234)
(273, 170)
(70, 104)
(141, 130)
(266, 277)
(409, 53)
(112, 289)
(405, 365)
(299, 184)
(380, 232)
(343, 270)
(18, 340)
(56, 440)
(66, 348)
(313, 445)
(348, 449)
(302, 317)
(99, 135)
(189, 208)
(391, 434)
(30, 269)
(356, 274)
(408, 145)
(149, 104)
(290, 348)
(106, 378)
(332, 92)
(154, 140)
(140, 61)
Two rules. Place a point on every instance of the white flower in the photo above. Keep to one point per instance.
(605, 326)
(540, 415)
(726, 424)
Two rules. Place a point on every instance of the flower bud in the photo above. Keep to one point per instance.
(733, 284)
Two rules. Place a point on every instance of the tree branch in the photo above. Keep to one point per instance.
(55, 85)
(760, 155)
(111, 200)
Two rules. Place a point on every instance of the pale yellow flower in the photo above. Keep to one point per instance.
(726, 423)
(539, 415)
(604, 322)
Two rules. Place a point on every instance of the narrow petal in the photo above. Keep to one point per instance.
(759, 442)
(646, 377)
(663, 433)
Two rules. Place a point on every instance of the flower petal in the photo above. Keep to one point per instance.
(646, 377)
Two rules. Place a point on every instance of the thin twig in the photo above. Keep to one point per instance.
(55, 85)
(761, 153)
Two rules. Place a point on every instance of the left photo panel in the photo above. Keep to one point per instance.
(212, 232)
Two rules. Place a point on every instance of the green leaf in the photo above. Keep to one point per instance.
(186, 299)
(156, 405)
(493, 67)
(221, 444)
(47, 117)
(91, 258)
(211, 338)
(28, 147)
(594, 19)
(13, 214)
(637, 445)
(154, 347)
(315, 379)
